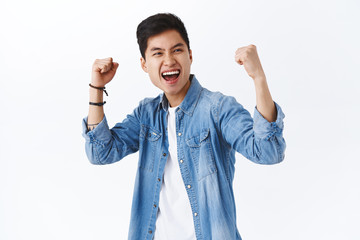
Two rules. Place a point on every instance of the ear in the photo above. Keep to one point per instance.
(190, 54)
(143, 64)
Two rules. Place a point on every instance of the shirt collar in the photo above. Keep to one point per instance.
(191, 98)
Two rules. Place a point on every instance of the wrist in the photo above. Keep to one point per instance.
(97, 85)
(261, 78)
(95, 95)
(99, 88)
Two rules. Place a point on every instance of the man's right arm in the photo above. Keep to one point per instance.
(103, 71)
(104, 145)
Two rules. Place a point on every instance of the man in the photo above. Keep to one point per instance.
(186, 138)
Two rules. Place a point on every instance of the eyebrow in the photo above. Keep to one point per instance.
(175, 46)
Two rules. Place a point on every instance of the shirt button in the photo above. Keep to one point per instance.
(150, 231)
(164, 154)
(179, 134)
(188, 186)
(159, 179)
(195, 214)
(154, 205)
(181, 161)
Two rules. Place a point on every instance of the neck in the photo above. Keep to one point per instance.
(174, 101)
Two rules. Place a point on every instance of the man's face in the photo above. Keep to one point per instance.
(168, 62)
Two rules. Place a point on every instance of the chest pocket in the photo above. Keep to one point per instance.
(202, 153)
(149, 143)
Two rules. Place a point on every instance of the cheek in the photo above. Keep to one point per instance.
(186, 61)
(153, 69)
(153, 74)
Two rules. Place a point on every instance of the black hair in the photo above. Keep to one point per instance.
(157, 24)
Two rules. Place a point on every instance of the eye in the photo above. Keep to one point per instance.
(178, 50)
(157, 54)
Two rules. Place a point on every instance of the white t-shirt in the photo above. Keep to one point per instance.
(174, 219)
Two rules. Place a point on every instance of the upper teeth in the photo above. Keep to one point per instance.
(171, 73)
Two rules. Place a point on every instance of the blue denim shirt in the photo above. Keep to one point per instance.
(210, 127)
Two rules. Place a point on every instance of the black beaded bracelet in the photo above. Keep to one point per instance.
(99, 88)
(97, 103)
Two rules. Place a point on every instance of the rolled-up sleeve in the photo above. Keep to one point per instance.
(265, 129)
(104, 145)
(99, 135)
(255, 138)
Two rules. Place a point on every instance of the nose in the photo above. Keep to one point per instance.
(169, 60)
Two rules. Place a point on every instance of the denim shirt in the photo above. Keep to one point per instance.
(210, 127)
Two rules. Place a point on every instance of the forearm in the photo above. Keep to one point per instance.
(96, 113)
(248, 57)
(264, 102)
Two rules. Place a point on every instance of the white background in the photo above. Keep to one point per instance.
(309, 51)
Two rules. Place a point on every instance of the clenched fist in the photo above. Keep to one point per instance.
(103, 71)
(248, 57)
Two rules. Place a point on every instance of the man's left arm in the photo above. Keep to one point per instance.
(259, 139)
(248, 57)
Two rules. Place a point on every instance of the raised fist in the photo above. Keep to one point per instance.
(248, 57)
(103, 71)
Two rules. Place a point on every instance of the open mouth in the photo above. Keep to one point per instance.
(171, 75)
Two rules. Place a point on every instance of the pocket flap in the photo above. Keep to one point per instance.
(149, 133)
(196, 140)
